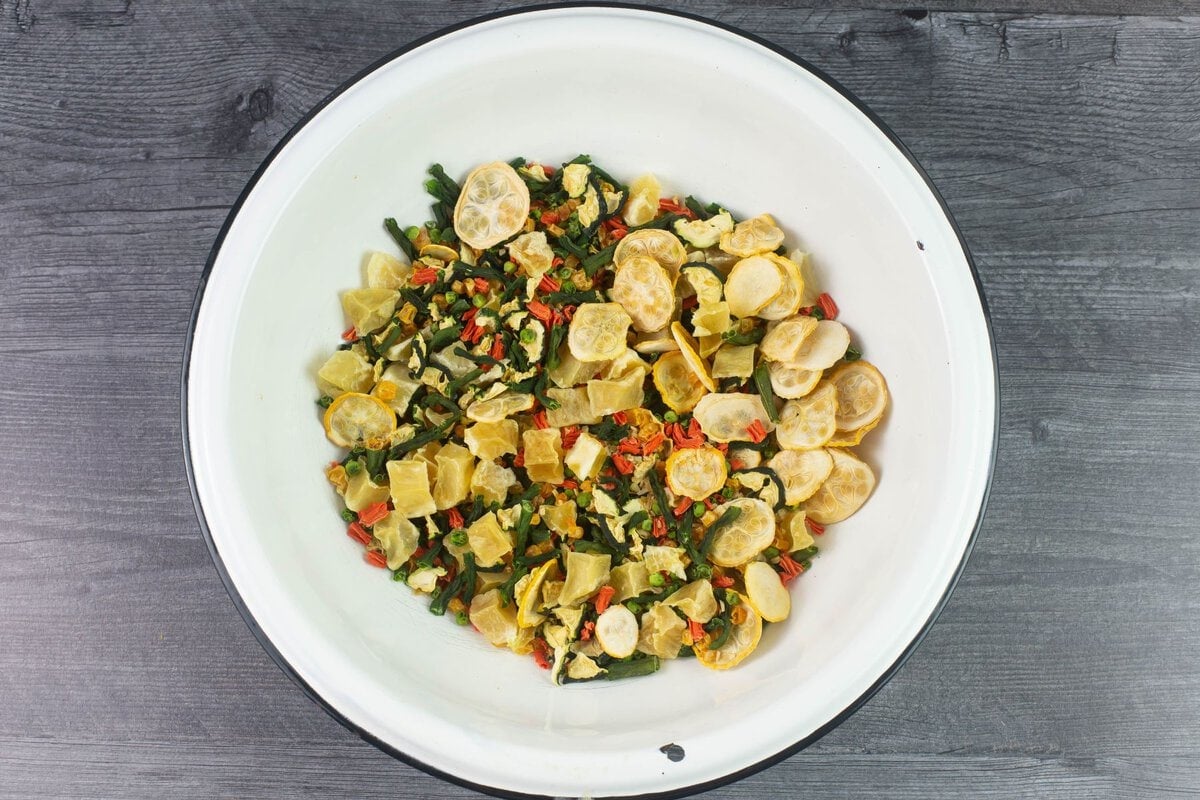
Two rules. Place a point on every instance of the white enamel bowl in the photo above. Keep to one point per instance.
(713, 113)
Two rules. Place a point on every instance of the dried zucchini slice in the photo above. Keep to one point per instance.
(696, 472)
(597, 331)
(788, 300)
(843, 492)
(687, 349)
(645, 291)
(753, 283)
(802, 472)
(822, 348)
(663, 246)
(792, 382)
(492, 206)
(677, 383)
(753, 236)
(861, 393)
(725, 416)
(745, 537)
(810, 421)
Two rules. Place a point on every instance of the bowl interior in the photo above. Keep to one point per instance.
(712, 114)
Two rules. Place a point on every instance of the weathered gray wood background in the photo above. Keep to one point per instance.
(1065, 138)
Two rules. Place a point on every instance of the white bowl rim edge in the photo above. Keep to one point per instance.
(235, 209)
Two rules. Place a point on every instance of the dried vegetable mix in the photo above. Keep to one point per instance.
(599, 424)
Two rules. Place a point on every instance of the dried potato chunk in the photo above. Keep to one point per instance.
(362, 491)
(677, 382)
(597, 331)
(409, 481)
(843, 492)
(661, 632)
(489, 542)
(489, 440)
(455, 466)
(642, 205)
(398, 537)
(629, 580)
(586, 572)
(385, 271)
(643, 288)
(610, 396)
(711, 320)
(752, 236)
(734, 361)
(492, 206)
(543, 455)
(533, 253)
(586, 456)
(494, 618)
(707, 286)
(810, 421)
(345, 371)
(574, 408)
(696, 600)
(753, 283)
(369, 309)
(492, 481)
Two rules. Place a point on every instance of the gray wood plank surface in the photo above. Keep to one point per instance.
(1066, 139)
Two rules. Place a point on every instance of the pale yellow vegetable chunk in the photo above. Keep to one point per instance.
(369, 309)
(386, 271)
(489, 440)
(574, 408)
(489, 542)
(734, 361)
(398, 537)
(543, 455)
(629, 580)
(586, 457)
(696, 600)
(455, 466)
(661, 632)
(493, 618)
(586, 572)
(345, 371)
(608, 397)
(361, 491)
(642, 205)
(492, 481)
(409, 481)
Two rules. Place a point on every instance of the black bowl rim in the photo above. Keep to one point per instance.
(287, 668)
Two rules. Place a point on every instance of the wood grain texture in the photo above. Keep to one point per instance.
(1066, 139)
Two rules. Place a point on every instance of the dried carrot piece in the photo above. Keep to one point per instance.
(603, 598)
